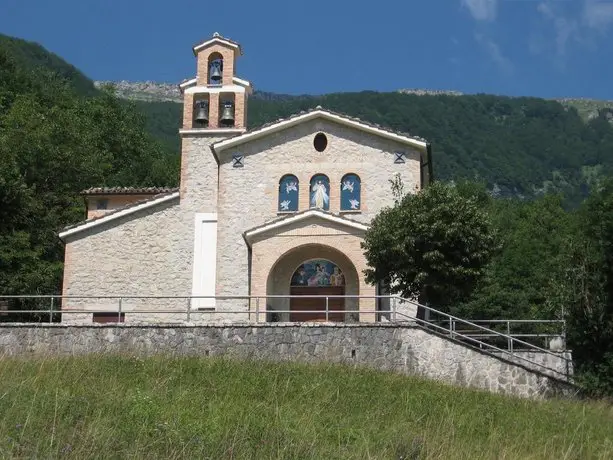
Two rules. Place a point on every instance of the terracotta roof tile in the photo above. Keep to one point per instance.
(221, 37)
(342, 115)
(129, 190)
(122, 208)
(289, 215)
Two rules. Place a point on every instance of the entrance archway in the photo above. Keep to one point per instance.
(311, 273)
(312, 279)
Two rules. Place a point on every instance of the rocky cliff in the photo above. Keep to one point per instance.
(169, 92)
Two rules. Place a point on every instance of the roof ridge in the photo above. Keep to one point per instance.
(293, 215)
(319, 108)
(128, 190)
(117, 210)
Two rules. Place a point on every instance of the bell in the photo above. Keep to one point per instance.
(215, 73)
(227, 116)
(202, 116)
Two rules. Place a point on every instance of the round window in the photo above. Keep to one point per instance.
(320, 142)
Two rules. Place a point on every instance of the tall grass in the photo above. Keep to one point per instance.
(124, 407)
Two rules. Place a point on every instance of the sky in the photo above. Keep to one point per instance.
(544, 48)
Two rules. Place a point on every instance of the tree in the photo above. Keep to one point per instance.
(533, 236)
(586, 293)
(433, 245)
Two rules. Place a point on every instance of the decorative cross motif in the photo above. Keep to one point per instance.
(237, 160)
(399, 157)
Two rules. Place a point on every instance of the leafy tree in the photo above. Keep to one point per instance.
(53, 144)
(434, 245)
(533, 236)
(586, 292)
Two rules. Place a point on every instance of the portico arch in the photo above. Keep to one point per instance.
(279, 282)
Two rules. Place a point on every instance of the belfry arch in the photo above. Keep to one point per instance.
(313, 270)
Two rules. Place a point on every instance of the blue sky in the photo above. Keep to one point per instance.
(547, 48)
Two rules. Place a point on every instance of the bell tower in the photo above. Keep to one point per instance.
(216, 100)
(214, 108)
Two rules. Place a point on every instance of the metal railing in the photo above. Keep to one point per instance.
(51, 308)
(513, 351)
(542, 330)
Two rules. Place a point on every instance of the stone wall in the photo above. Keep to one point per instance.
(404, 349)
(248, 196)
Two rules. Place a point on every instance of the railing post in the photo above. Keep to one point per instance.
(509, 339)
(394, 308)
(257, 309)
(451, 327)
(119, 310)
(51, 310)
(189, 309)
(327, 313)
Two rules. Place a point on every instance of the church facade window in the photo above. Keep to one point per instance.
(351, 192)
(319, 196)
(288, 193)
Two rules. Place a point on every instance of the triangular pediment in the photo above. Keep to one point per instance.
(326, 115)
(217, 39)
(312, 217)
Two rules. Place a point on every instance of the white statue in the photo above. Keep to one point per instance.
(348, 185)
(285, 205)
(291, 186)
(319, 198)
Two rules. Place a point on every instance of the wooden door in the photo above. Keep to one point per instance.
(316, 306)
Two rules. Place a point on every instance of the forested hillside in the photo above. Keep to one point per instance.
(519, 146)
(30, 55)
(56, 140)
(60, 135)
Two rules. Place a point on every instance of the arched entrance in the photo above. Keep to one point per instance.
(311, 280)
(309, 274)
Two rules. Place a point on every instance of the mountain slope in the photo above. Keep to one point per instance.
(518, 146)
(31, 56)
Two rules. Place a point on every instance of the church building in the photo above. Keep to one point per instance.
(263, 219)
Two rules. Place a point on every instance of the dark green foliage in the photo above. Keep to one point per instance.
(54, 143)
(520, 147)
(586, 291)
(517, 284)
(553, 264)
(434, 245)
(34, 57)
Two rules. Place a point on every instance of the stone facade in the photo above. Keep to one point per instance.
(266, 161)
(145, 254)
(198, 244)
(405, 349)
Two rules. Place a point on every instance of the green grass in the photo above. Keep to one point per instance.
(122, 407)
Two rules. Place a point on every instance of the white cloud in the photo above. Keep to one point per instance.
(495, 53)
(565, 29)
(597, 14)
(481, 10)
(593, 18)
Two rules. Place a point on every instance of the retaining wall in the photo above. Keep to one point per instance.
(407, 349)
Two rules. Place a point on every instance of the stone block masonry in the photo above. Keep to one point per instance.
(400, 348)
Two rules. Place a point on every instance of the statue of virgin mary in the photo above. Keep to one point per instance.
(319, 196)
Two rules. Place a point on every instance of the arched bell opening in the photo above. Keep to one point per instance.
(309, 274)
(226, 110)
(215, 69)
(201, 111)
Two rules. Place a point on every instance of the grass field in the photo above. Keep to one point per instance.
(155, 408)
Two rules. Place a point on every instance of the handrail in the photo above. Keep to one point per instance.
(392, 314)
(453, 333)
(515, 356)
(463, 321)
